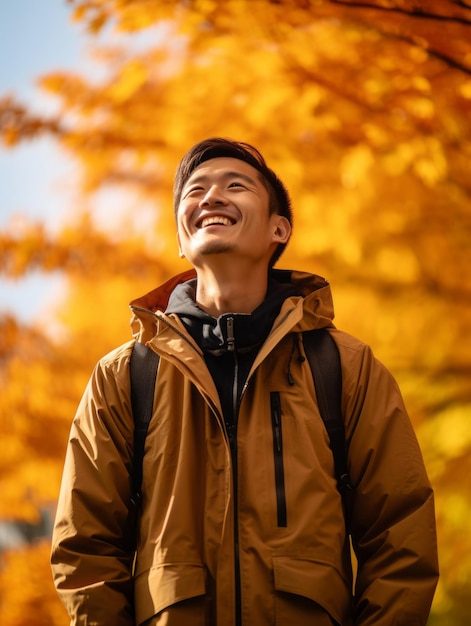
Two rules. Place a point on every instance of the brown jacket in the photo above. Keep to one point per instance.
(210, 551)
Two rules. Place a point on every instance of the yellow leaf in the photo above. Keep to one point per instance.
(132, 77)
(465, 90)
(421, 107)
(355, 165)
(400, 264)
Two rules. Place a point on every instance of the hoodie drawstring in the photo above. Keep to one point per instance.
(294, 345)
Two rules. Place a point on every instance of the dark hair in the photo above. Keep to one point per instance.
(279, 200)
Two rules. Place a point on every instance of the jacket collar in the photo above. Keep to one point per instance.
(313, 291)
(231, 331)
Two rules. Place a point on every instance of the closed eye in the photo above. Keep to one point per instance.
(193, 190)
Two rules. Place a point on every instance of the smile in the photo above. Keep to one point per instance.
(219, 220)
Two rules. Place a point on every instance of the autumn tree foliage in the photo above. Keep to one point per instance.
(364, 109)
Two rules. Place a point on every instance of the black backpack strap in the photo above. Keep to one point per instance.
(324, 360)
(143, 370)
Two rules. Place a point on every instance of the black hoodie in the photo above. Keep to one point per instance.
(231, 341)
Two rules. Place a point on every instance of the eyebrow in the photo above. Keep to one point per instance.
(205, 177)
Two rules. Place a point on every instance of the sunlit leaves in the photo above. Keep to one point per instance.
(16, 123)
(78, 249)
(132, 78)
(364, 111)
(26, 589)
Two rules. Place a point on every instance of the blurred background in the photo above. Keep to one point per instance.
(364, 110)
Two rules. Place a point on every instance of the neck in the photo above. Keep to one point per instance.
(229, 290)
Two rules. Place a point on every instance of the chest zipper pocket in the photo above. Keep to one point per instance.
(276, 422)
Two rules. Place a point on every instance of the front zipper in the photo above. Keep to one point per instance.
(231, 427)
(275, 405)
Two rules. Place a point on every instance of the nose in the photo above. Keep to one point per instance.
(213, 196)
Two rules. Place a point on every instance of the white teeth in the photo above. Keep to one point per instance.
(216, 219)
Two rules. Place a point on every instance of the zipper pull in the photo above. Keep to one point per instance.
(276, 418)
(231, 433)
(230, 335)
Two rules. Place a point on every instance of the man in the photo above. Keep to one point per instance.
(241, 522)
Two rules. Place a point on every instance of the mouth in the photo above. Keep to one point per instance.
(215, 220)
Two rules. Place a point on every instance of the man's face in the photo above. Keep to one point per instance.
(224, 209)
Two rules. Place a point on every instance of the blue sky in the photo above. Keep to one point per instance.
(36, 37)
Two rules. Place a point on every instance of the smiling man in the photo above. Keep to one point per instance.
(241, 521)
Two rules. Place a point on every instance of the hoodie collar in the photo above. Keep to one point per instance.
(231, 331)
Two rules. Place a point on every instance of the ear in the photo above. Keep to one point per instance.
(282, 229)
(180, 252)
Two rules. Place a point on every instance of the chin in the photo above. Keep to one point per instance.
(215, 247)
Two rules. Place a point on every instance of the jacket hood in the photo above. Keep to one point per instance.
(230, 331)
(308, 293)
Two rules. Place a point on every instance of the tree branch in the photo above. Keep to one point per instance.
(417, 14)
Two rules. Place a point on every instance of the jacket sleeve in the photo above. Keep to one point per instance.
(91, 558)
(392, 516)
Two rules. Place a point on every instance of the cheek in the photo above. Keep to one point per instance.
(183, 227)
(182, 219)
(185, 209)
